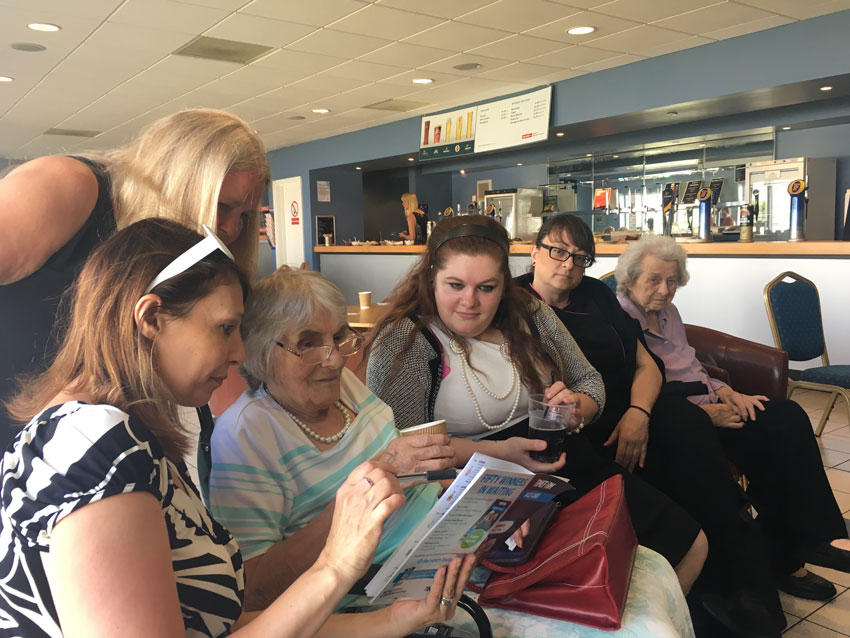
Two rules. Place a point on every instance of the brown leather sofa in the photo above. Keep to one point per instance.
(747, 366)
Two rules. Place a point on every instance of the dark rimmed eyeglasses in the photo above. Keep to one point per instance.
(319, 354)
(559, 254)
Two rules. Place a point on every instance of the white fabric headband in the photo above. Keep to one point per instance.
(186, 260)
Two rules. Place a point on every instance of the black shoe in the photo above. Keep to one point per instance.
(827, 555)
(811, 586)
(744, 614)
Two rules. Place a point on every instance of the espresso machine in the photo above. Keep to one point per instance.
(519, 210)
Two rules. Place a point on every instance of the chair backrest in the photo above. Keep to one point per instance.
(609, 280)
(793, 310)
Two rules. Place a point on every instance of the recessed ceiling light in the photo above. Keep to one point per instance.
(519, 163)
(296, 117)
(422, 80)
(588, 154)
(467, 66)
(826, 88)
(6, 78)
(462, 172)
(560, 134)
(410, 159)
(321, 111)
(29, 47)
(581, 30)
(357, 168)
(43, 26)
(615, 156)
(672, 113)
(702, 145)
(786, 128)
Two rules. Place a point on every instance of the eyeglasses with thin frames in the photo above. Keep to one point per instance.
(319, 354)
(559, 254)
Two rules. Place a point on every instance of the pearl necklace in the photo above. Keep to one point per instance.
(503, 349)
(311, 432)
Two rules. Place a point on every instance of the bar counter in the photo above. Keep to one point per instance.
(739, 249)
(725, 291)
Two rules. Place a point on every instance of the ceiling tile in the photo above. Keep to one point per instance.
(256, 30)
(663, 48)
(719, 16)
(254, 80)
(440, 8)
(88, 9)
(457, 36)
(619, 60)
(212, 96)
(638, 39)
(288, 60)
(406, 79)
(364, 96)
(749, 27)
(168, 15)
(230, 5)
(275, 122)
(260, 107)
(366, 71)
(797, 9)
(581, 4)
(650, 10)
(605, 25)
(383, 22)
(310, 12)
(325, 40)
(519, 15)
(518, 72)
(573, 57)
(409, 55)
(190, 70)
(325, 85)
(447, 65)
(519, 47)
(113, 37)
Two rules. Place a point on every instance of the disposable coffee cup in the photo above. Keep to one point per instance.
(432, 427)
(365, 299)
(549, 423)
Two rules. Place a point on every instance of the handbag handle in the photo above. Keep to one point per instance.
(472, 608)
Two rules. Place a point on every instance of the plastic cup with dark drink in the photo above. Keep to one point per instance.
(549, 423)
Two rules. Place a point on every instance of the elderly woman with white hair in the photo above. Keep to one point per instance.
(285, 446)
(770, 441)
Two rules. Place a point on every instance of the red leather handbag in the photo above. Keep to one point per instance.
(582, 567)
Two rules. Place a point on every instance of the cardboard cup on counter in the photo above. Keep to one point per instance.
(365, 299)
(433, 427)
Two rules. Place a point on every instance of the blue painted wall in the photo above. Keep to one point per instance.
(346, 202)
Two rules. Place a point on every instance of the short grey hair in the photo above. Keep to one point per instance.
(630, 263)
(287, 301)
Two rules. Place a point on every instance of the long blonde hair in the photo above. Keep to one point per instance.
(175, 168)
(103, 354)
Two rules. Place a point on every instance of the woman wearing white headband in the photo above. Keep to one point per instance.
(101, 530)
(197, 167)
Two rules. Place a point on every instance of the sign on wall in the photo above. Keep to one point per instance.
(447, 134)
(514, 121)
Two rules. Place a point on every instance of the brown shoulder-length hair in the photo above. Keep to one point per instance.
(413, 299)
(103, 354)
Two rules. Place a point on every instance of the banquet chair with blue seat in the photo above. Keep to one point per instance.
(794, 312)
(609, 280)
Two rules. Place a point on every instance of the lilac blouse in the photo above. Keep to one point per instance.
(671, 344)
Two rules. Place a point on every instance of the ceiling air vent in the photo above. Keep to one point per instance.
(71, 132)
(400, 106)
(224, 50)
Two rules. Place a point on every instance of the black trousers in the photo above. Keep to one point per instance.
(659, 522)
(688, 459)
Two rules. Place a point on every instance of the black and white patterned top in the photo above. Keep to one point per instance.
(75, 454)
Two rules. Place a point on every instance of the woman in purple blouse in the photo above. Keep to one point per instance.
(771, 441)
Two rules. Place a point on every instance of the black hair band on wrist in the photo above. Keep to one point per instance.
(644, 410)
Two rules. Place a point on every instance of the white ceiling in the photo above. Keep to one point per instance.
(111, 68)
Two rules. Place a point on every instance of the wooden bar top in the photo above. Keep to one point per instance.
(723, 248)
(366, 318)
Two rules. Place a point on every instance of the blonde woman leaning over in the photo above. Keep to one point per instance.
(101, 531)
(196, 167)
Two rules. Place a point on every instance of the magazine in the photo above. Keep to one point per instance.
(484, 505)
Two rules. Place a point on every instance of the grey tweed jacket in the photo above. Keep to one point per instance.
(412, 392)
